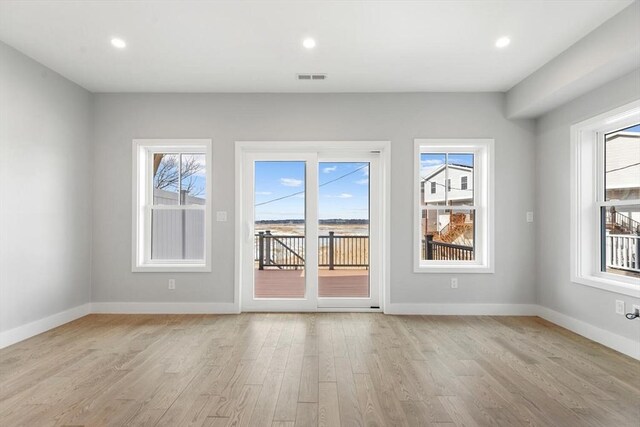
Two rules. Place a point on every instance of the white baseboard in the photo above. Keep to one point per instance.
(39, 326)
(463, 309)
(609, 339)
(164, 307)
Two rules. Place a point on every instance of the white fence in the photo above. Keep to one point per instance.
(177, 233)
(623, 252)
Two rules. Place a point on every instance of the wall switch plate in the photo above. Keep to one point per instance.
(221, 216)
(529, 216)
(172, 284)
(619, 307)
(454, 283)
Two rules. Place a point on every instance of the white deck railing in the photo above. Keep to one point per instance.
(623, 251)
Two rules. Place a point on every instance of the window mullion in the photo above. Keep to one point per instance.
(180, 178)
(446, 179)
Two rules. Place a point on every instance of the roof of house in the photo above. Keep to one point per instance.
(437, 169)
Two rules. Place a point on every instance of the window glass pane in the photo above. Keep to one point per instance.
(165, 178)
(177, 234)
(621, 240)
(448, 234)
(622, 164)
(459, 166)
(432, 179)
(192, 179)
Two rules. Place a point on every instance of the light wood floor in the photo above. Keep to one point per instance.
(315, 369)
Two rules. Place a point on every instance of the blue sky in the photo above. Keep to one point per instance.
(346, 198)
(635, 128)
(431, 160)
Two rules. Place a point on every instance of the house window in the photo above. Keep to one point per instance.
(605, 201)
(172, 205)
(452, 226)
(433, 188)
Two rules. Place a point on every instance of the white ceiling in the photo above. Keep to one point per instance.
(255, 46)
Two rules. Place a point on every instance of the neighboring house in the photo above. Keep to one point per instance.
(623, 173)
(456, 182)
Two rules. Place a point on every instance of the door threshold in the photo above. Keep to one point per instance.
(318, 310)
(349, 310)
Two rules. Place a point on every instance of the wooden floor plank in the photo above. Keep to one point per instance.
(306, 414)
(350, 414)
(288, 397)
(328, 407)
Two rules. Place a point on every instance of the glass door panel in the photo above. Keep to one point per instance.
(280, 230)
(343, 228)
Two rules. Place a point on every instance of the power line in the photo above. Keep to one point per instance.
(321, 185)
(623, 167)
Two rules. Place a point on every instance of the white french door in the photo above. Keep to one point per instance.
(312, 227)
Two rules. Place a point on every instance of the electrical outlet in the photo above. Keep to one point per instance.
(454, 283)
(529, 216)
(221, 216)
(172, 284)
(619, 307)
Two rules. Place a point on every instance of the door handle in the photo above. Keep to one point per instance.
(247, 231)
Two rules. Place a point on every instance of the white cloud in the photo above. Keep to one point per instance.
(291, 182)
(431, 162)
(330, 169)
(363, 181)
(263, 193)
(345, 196)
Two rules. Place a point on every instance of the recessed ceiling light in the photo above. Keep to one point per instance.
(309, 43)
(119, 43)
(503, 42)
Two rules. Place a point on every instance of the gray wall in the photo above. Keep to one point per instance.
(45, 185)
(555, 290)
(225, 118)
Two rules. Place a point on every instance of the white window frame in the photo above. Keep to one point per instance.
(483, 179)
(143, 150)
(587, 198)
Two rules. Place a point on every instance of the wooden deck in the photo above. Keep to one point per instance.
(274, 283)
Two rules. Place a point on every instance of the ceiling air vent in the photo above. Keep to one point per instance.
(316, 76)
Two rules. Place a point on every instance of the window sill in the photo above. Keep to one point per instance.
(457, 269)
(171, 268)
(608, 284)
